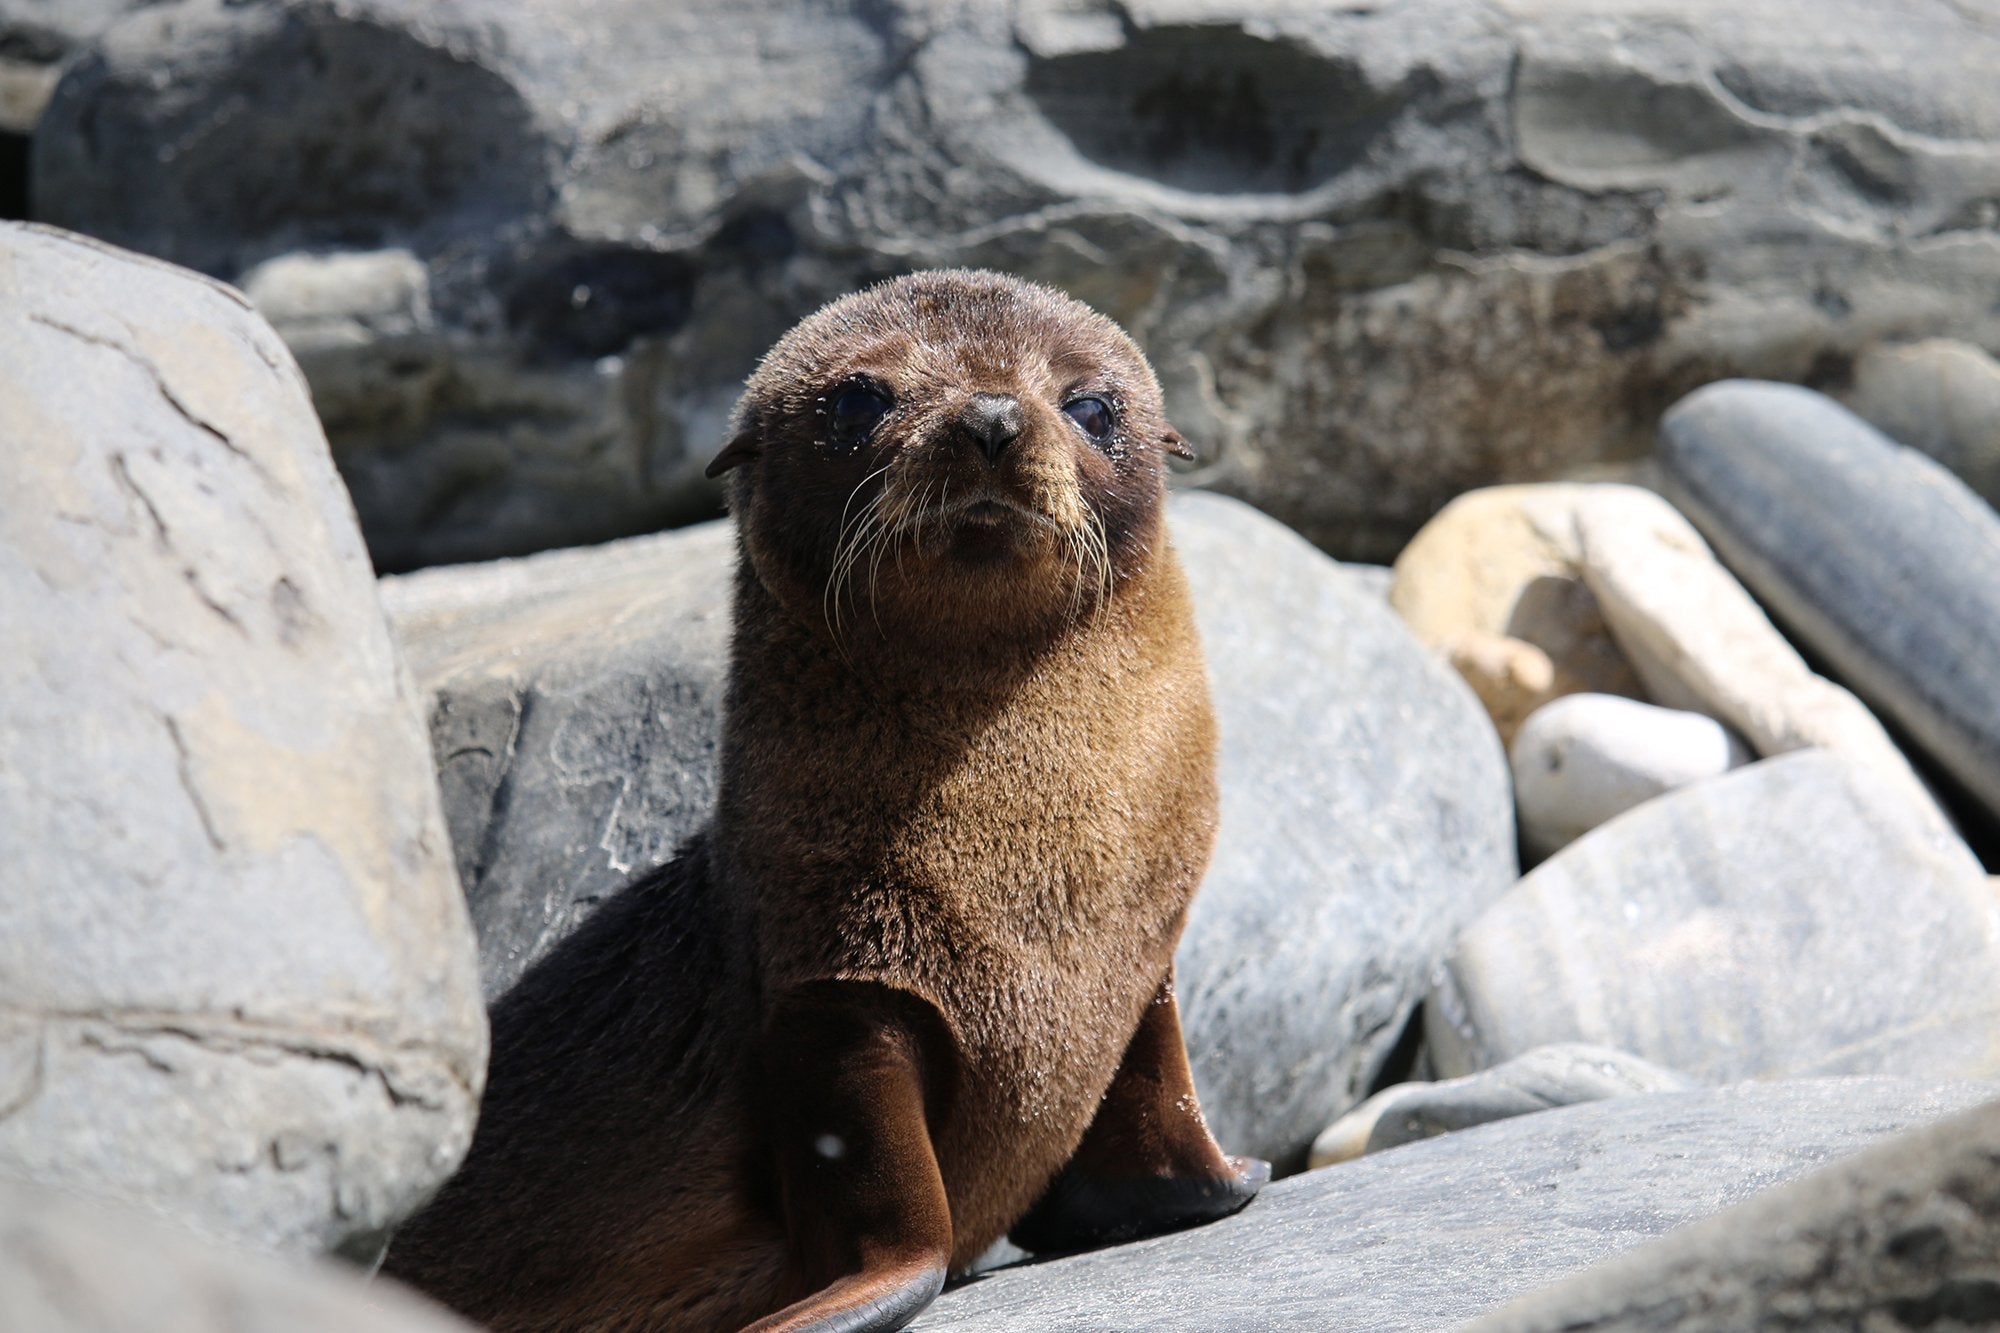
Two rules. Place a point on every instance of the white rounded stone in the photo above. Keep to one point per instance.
(1585, 758)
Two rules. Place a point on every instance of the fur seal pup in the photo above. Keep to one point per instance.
(912, 990)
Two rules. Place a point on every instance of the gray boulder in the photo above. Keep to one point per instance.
(67, 1266)
(1881, 561)
(1380, 253)
(1792, 917)
(575, 701)
(1365, 806)
(1901, 1235)
(1366, 817)
(1425, 1236)
(236, 979)
(1940, 397)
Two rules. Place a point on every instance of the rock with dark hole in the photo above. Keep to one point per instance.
(1380, 253)
(1434, 1233)
(236, 981)
(1365, 806)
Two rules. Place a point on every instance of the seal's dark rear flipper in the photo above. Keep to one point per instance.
(1147, 1164)
(852, 1079)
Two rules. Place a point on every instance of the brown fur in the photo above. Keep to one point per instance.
(967, 791)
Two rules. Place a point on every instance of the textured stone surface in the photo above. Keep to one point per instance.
(1366, 814)
(1493, 583)
(1380, 253)
(1584, 758)
(1939, 396)
(1545, 1077)
(67, 1266)
(1901, 1235)
(1366, 817)
(236, 981)
(575, 700)
(1701, 642)
(1883, 562)
(1428, 1235)
(1789, 918)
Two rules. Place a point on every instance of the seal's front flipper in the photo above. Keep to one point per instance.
(852, 1076)
(1147, 1164)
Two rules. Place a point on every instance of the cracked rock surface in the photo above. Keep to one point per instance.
(236, 980)
(575, 700)
(1379, 253)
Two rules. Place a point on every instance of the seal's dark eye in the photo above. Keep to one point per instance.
(1093, 414)
(853, 413)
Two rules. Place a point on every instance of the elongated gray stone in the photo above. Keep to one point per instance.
(236, 979)
(1545, 1077)
(1425, 1236)
(1791, 917)
(1366, 812)
(1886, 564)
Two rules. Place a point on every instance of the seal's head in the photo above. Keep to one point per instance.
(946, 453)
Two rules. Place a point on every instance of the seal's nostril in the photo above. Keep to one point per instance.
(993, 420)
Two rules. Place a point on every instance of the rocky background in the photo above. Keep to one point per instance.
(1648, 342)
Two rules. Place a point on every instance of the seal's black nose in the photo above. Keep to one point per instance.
(993, 420)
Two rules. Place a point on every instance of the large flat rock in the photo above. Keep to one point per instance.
(1425, 1236)
(236, 978)
(1900, 1235)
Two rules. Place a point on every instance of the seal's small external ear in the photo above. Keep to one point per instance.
(1171, 442)
(741, 448)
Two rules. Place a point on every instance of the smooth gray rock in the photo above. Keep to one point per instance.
(1380, 253)
(1366, 814)
(1366, 818)
(1883, 562)
(236, 978)
(1425, 1236)
(1940, 397)
(1548, 1076)
(1789, 918)
(69, 1266)
(575, 701)
(1901, 1235)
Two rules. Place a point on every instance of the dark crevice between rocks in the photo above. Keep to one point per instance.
(1957, 1302)
(13, 176)
(585, 302)
(1405, 1062)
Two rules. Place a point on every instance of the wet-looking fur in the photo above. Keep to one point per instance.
(912, 990)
